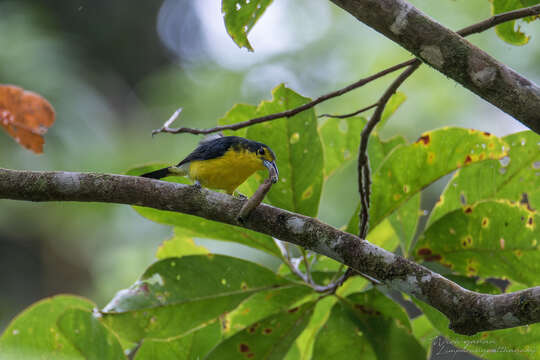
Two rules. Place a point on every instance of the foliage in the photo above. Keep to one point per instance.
(192, 304)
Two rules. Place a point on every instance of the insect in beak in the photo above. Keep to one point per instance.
(272, 169)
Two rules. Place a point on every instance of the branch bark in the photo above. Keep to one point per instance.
(452, 55)
(469, 312)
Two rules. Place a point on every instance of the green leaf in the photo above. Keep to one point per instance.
(488, 239)
(408, 169)
(193, 346)
(179, 245)
(367, 325)
(515, 178)
(405, 220)
(270, 338)
(263, 304)
(304, 343)
(297, 145)
(35, 332)
(89, 336)
(240, 17)
(176, 296)
(340, 138)
(507, 30)
(340, 338)
(424, 332)
(516, 343)
(391, 106)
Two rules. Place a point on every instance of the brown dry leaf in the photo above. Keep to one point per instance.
(25, 116)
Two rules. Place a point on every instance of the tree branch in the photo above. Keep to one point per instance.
(469, 312)
(452, 55)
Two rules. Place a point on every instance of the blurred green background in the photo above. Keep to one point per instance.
(115, 70)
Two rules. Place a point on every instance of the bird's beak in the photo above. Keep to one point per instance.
(272, 169)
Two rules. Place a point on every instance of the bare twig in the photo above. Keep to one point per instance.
(364, 176)
(344, 116)
(499, 19)
(288, 113)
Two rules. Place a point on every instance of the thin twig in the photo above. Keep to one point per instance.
(364, 176)
(306, 264)
(344, 116)
(287, 260)
(499, 19)
(288, 113)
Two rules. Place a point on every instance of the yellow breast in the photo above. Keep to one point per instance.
(226, 172)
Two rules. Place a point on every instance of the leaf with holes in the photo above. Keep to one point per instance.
(192, 226)
(35, 331)
(25, 116)
(176, 296)
(270, 338)
(408, 169)
(297, 145)
(515, 177)
(89, 336)
(240, 17)
(193, 346)
(487, 239)
(507, 30)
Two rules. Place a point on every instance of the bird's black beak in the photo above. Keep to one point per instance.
(272, 169)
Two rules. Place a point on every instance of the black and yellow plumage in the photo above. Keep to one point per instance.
(222, 163)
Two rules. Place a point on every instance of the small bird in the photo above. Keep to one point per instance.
(222, 163)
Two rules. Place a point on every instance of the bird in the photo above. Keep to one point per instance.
(222, 163)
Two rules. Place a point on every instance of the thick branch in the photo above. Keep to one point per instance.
(469, 312)
(452, 55)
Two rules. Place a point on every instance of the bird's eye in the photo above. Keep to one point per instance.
(260, 151)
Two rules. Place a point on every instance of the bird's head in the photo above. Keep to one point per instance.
(268, 158)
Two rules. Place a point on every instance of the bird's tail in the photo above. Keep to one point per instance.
(157, 174)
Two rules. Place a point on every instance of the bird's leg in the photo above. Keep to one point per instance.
(197, 184)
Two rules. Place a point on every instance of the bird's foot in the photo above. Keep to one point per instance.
(197, 185)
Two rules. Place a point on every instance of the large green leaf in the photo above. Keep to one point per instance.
(193, 346)
(240, 16)
(263, 304)
(408, 169)
(507, 30)
(517, 343)
(514, 178)
(392, 105)
(176, 296)
(488, 239)
(270, 338)
(35, 332)
(405, 221)
(341, 338)
(367, 325)
(341, 140)
(89, 336)
(297, 145)
(303, 349)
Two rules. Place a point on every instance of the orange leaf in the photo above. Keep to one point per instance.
(25, 116)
